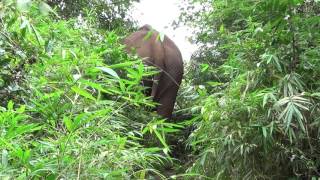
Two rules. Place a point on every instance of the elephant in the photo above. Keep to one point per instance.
(163, 54)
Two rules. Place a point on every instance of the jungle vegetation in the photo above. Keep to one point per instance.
(72, 105)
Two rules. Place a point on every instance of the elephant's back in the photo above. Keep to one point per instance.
(173, 60)
(164, 54)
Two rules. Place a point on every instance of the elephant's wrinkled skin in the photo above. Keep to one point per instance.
(164, 55)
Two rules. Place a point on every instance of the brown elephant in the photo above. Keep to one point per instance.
(163, 54)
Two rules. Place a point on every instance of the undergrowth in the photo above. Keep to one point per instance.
(72, 103)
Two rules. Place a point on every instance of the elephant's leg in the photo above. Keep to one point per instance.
(156, 81)
(147, 84)
(165, 108)
(167, 101)
(167, 91)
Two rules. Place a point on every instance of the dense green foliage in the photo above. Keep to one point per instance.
(72, 103)
(109, 15)
(258, 67)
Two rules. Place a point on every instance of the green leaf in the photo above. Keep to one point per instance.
(163, 142)
(10, 105)
(94, 85)
(221, 29)
(265, 100)
(317, 94)
(20, 130)
(145, 130)
(264, 132)
(168, 130)
(109, 71)
(24, 22)
(142, 175)
(38, 36)
(203, 158)
(73, 54)
(83, 93)
(68, 123)
(161, 36)
(148, 35)
(21, 109)
(23, 155)
(204, 67)
(214, 84)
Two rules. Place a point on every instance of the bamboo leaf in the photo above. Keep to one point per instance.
(161, 36)
(148, 35)
(109, 71)
(264, 132)
(83, 93)
(68, 123)
(163, 142)
(37, 35)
